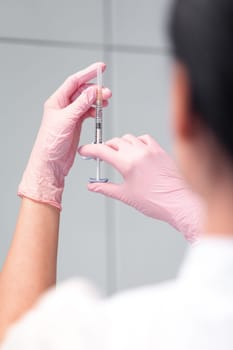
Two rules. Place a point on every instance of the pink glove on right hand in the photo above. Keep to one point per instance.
(152, 183)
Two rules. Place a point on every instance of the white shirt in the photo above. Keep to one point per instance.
(195, 311)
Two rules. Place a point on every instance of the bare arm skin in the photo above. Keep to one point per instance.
(30, 267)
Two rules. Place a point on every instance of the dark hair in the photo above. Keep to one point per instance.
(202, 39)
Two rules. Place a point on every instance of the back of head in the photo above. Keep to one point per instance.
(202, 38)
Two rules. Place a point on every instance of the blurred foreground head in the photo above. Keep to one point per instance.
(201, 32)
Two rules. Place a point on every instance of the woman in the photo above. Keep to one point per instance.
(196, 310)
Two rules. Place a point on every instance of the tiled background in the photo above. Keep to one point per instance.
(42, 42)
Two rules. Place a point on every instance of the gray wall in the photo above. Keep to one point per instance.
(41, 43)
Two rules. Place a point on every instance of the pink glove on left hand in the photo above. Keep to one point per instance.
(55, 148)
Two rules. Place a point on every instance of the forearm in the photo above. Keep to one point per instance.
(30, 267)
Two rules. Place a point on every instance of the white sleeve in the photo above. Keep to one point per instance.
(67, 317)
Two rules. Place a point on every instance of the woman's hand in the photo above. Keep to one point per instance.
(56, 144)
(30, 266)
(152, 183)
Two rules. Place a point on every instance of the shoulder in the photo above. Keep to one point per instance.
(141, 318)
(60, 318)
(144, 298)
(74, 314)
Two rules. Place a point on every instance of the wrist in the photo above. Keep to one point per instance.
(43, 183)
(187, 215)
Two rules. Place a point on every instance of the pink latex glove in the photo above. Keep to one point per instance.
(152, 183)
(55, 148)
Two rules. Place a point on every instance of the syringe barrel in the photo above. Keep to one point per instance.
(99, 121)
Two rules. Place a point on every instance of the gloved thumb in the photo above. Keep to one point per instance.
(107, 189)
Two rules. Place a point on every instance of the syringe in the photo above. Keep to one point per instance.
(99, 124)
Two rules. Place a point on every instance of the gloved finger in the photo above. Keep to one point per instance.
(77, 105)
(82, 104)
(107, 189)
(117, 143)
(133, 140)
(61, 97)
(103, 152)
(92, 111)
(106, 93)
(78, 92)
(149, 141)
